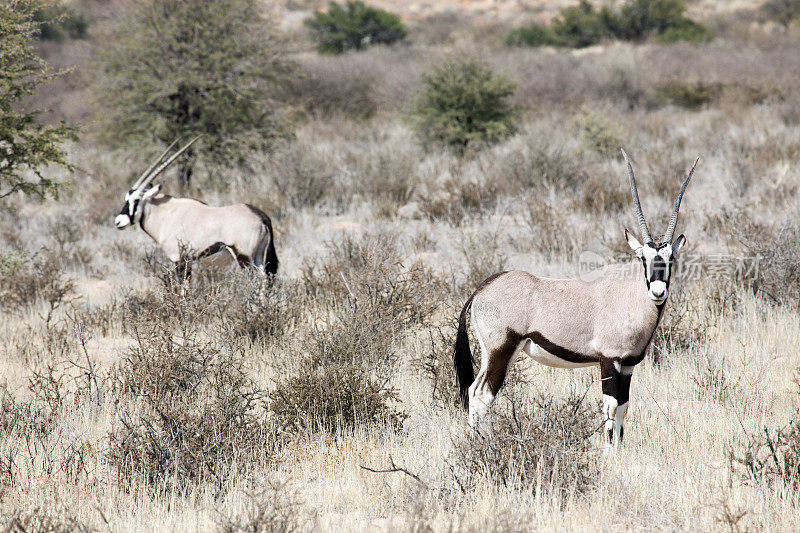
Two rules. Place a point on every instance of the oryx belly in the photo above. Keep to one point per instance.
(541, 355)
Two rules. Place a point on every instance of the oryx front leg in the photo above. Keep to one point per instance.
(616, 388)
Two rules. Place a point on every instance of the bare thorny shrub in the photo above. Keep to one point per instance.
(25, 280)
(777, 252)
(772, 457)
(269, 510)
(546, 446)
(192, 413)
(696, 304)
(62, 379)
(363, 302)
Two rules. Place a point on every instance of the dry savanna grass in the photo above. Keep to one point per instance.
(129, 403)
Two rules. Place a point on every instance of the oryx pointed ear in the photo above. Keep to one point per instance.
(152, 191)
(678, 243)
(635, 245)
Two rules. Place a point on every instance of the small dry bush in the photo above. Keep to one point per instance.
(337, 86)
(191, 412)
(534, 164)
(772, 457)
(457, 201)
(436, 363)
(775, 252)
(483, 256)
(696, 306)
(273, 509)
(25, 280)
(369, 270)
(363, 301)
(344, 382)
(302, 175)
(263, 319)
(551, 235)
(599, 134)
(548, 447)
(683, 325)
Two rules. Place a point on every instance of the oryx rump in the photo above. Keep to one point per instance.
(187, 229)
(570, 323)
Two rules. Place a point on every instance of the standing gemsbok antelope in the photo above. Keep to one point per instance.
(184, 226)
(570, 323)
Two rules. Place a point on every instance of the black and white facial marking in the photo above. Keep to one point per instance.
(657, 261)
(131, 210)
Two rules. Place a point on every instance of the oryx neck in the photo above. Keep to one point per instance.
(148, 220)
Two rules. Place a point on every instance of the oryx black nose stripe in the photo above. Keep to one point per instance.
(659, 269)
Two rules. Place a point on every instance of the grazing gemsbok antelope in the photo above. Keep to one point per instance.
(184, 226)
(570, 323)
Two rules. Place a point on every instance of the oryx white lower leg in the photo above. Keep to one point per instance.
(481, 399)
(610, 406)
(619, 423)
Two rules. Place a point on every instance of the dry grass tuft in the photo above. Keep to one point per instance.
(42, 521)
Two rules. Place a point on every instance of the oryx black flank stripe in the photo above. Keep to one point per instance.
(559, 351)
(501, 356)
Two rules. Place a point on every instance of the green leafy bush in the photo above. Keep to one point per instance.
(534, 35)
(688, 95)
(785, 12)
(463, 103)
(582, 25)
(58, 21)
(637, 19)
(212, 67)
(688, 31)
(27, 146)
(354, 26)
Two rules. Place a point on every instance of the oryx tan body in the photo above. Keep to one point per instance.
(610, 317)
(185, 228)
(177, 223)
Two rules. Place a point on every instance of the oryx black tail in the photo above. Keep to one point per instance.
(270, 258)
(462, 355)
(265, 256)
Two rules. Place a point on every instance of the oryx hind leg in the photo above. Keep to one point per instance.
(496, 356)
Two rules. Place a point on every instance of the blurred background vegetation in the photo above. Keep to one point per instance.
(405, 150)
